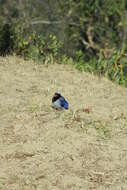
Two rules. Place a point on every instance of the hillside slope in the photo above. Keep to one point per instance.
(84, 148)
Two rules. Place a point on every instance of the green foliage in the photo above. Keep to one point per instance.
(97, 22)
(114, 67)
(64, 59)
(19, 39)
(37, 48)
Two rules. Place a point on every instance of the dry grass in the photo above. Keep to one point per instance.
(84, 148)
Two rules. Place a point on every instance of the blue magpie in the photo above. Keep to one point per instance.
(59, 102)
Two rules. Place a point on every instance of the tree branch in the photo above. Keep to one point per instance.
(53, 22)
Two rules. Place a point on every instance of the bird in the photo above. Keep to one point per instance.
(59, 102)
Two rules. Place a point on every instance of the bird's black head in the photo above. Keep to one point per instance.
(56, 97)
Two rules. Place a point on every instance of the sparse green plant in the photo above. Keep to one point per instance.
(33, 108)
(102, 129)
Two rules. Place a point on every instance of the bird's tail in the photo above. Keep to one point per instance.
(66, 106)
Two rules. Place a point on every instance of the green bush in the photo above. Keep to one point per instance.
(32, 45)
(114, 67)
(18, 38)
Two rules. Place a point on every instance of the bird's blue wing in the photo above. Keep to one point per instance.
(63, 103)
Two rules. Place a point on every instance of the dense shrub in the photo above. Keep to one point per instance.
(114, 67)
(19, 39)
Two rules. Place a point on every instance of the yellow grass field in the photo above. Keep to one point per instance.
(84, 148)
